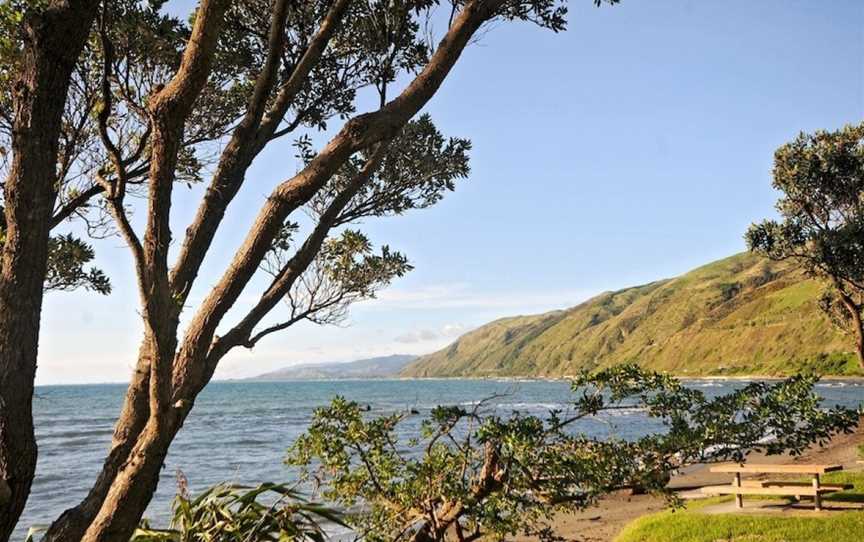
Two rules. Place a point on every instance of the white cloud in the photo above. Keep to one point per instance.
(454, 330)
(416, 336)
(425, 335)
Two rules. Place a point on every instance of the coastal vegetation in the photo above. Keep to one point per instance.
(236, 513)
(474, 472)
(741, 316)
(790, 305)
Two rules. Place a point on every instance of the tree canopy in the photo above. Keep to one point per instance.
(479, 472)
(821, 226)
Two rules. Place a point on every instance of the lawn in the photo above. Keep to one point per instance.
(689, 525)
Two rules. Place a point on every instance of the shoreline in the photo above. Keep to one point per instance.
(725, 378)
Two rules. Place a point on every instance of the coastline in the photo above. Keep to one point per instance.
(722, 378)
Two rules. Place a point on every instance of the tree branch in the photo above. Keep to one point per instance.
(294, 268)
(246, 142)
(116, 191)
(168, 109)
(195, 366)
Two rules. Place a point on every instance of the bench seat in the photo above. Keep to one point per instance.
(775, 488)
(771, 483)
(753, 468)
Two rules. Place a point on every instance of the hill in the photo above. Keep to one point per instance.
(383, 367)
(742, 315)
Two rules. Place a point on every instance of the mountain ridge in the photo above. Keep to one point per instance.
(371, 368)
(737, 316)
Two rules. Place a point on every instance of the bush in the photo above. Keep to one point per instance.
(234, 513)
(473, 474)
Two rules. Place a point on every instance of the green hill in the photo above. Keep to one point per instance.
(743, 315)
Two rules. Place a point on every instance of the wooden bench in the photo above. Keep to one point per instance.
(739, 488)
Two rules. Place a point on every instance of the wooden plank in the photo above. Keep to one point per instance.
(752, 468)
(771, 490)
(770, 483)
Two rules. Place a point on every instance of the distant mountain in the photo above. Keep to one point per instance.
(383, 367)
(743, 315)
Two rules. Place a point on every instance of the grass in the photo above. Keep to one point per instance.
(690, 525)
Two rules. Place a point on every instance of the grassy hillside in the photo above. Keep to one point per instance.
(380, 367)
(737, 316)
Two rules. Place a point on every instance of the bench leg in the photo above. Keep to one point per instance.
(739, 498)
(817, 498)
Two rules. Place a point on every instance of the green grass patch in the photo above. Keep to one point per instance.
(689, 525)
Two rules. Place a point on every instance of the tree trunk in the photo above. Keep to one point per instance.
(136, 481)
(53, 40)
(72, 524)
(854, 310)
(859, 337)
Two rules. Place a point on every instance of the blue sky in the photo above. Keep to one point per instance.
(635, 146)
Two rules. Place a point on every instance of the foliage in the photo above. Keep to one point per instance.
(690, 525)
(234, 513)
(419, 167)
(344, 271)
(689, 325)
(67, 256)
(475, 473)
(821, 177)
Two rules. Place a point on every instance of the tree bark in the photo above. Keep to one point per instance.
(135, 483)
(358, 133)
(858, 327)
(73, 523)
(854, 310)
(860, 343)
(53, 39)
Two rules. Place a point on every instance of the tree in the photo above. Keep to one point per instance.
(474, 473)
(153, 98)
(36, 71)
(821, 176)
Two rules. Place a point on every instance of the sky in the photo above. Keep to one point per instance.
(635, 146)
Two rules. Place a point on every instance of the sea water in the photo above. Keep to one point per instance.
(240, 431)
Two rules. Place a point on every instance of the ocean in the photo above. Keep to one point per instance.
(240, 431)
